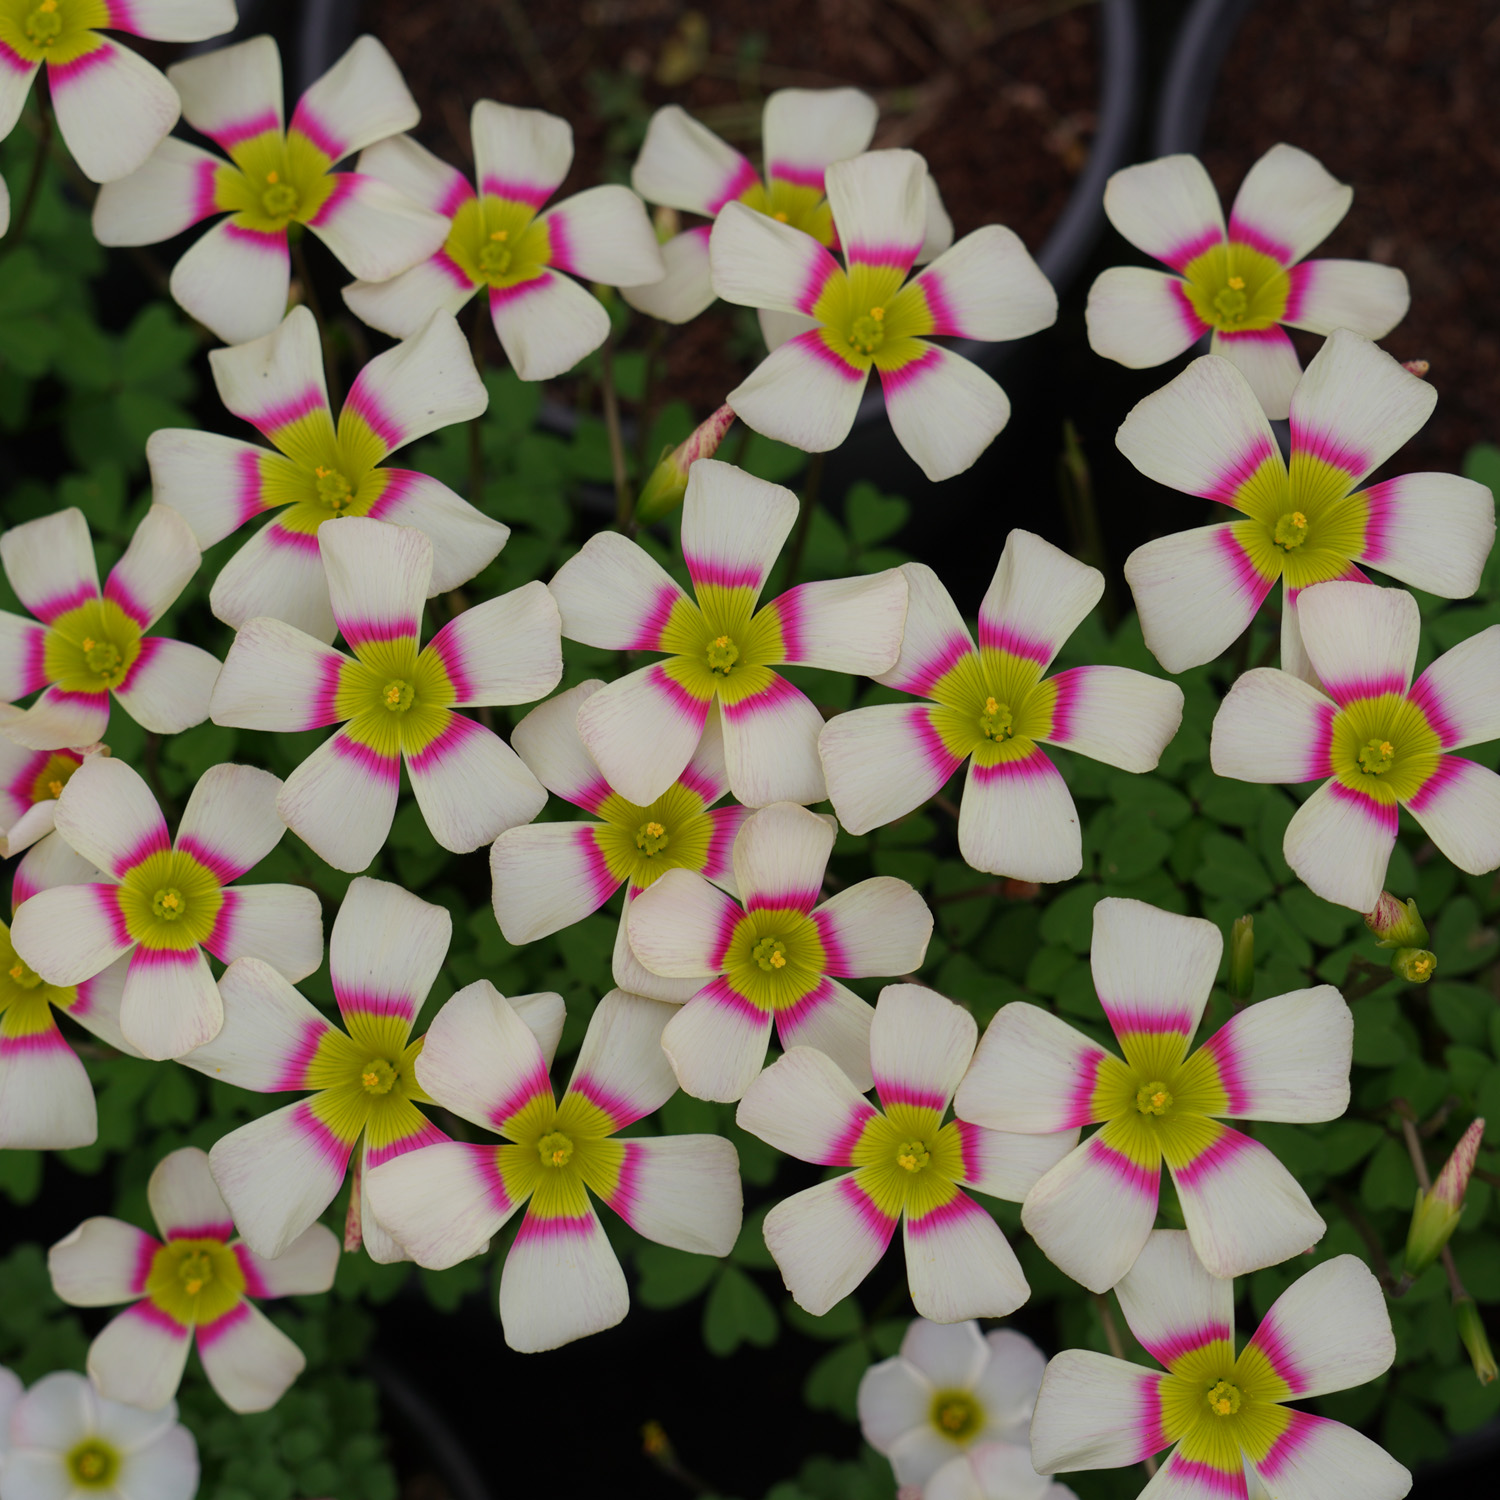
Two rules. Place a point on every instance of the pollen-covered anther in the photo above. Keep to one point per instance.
(44, 25)
(867, 333)
(1153, 1098)
(555, 1149)
(24, 975)
(55, 787)
(495, 254)
(93, 1464)
(334, 490)
(1291, 531)
(722, 655)
(996, 722)
(1377, 757)
(1223, 1398)
(651, 838)
(911, 1156)
(279, 198)
(377, 1076)
(770, 954)
(195, 1271)
(168, 903)
(956, 1414)
(397, 695)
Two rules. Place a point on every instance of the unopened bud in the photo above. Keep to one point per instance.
(1476, 1340)
(1396, 924)
(667, 485)
(1439, 1209)
(1417, 367)
(1242, 958)
(1415, 965)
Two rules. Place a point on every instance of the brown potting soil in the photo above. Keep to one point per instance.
(997, 94)
(1398, 100)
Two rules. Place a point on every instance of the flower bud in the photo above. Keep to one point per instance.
(1242, 958)
(1417, 367)
(1415, 965)
(667, 485)
(1476, 1340)
(1438, 1210)
(1396, 924)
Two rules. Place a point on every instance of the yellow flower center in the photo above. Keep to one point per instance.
(1377, 757)
(377, 1076)
(867, 333)
(55, 774)
(44, 25)
(1223, 1398)
(1153, 1098)
(956, 1415)
(770, 954)
(93, 1464)
(279, 199)
(1236, 289)
(103, 657)
(334, 490)
(397, 695)
(722, 655)
(169, 904)
(911, 1156)
(1291, 531)
(494, 254)
(195, 1272)
(555, 1149)
(651, 838)
(24, 975)
(996, 722)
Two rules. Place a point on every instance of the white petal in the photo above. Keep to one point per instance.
(825, 1241)
(1459, 809)
(464, 539)
(1202, 433)
(685, 165)
(879, 202)
(780, 856)
(1356, 405)
(230, 822)
(1329, 1331)
(561, 1282)
(620, 1066)
(681, 1190)
(1432, 531)
(424, 383)
(603, 234)
(386, 949)
(107, 813)
(416, 173)
(249, 1361)
(1037, 598)
(1172, 1304)
(546, 877)
(402, 305)
(546, 325)
(58, 719)
(805, 1106)
(277, 574)
(944, 410)
(471, 786)
(506, 650)
(1361, 640)
(361, 99)
(341, 801)
(281, 924)
(519, 153)
(716, 1043)
(1153, 969)
(1005, 1165)
(882, 762)
(757, 261)
(613, 594)
(377, 578)
(230, 92)
(171, 1003)
(281, 371)
(801, 394)
(276, 677)
(685, 287)
(988, 287)
(50, 563)
(676, 925)
(1167, 207)
(959, 1265)
(1090, 1413)
(481, 1060)
(139, 1358)
(937, 226)
(642, 730)
(1272, 727)
(1017, 819)
(803, 130)
(733, 526)
(1287, 204)
(771, 746)
(835, 1021)
(100, 1263)
(113, 108)
(443, 1203)
(269, 1031)
(1359, 295)
(1090, 1215)
(547, 740)
(46, 1099)
(70, 933)
(166, 1466)
(1317, 1457)
(1243, 1209)
(1339, 844)
(1140, 317)
(895, 1395)
(1267, 359)
(877, 926)
(168, 193)
(1031, 1071)
(1287, 1058)
(169, 685)
(633, 977)
(234, 281)
(1116, 715)
(777, 327)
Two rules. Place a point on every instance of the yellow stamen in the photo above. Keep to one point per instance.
(500, 235)
(273, 177)
(778, 960)
(722, 640)
(89, 643)
(781, 216)
(655, 830)
(17, 971)
(1237, 282)
(878, 313)
(990, 706)
(55, 787)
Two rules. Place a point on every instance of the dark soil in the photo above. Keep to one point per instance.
(997, 94)
(1397, 99)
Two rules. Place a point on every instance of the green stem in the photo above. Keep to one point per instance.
(810, 488)
(476, 427)
(38, 168)
(624, 499)
(310, 297)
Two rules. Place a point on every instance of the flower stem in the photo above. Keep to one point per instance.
(1117, 1348)
(38, 167)
(810, 488)
(624, 499)
(310, 297)
(476, 427)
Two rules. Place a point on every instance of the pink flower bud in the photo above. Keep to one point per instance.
(1396, 924)
(668, 482)
(1438, 1210)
